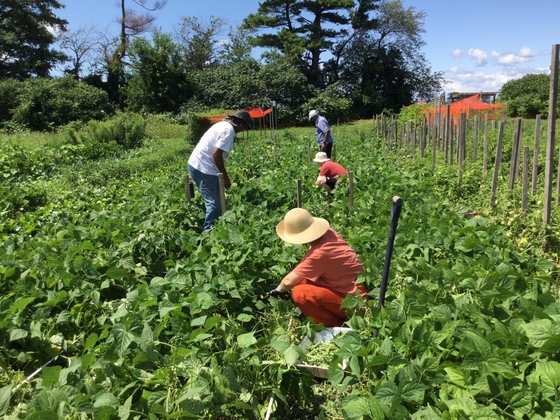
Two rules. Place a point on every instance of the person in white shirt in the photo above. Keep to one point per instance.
(208, 159)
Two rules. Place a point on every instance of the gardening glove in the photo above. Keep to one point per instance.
(276, 292)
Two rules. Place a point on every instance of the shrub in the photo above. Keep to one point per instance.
(331, 103)
(45, 104)
(127, 130)
(10, 91)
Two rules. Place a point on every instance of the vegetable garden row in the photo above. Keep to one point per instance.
(116, 306)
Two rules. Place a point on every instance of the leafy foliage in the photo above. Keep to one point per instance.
(148, 316)
(528, 96)
(158, 80)
(25, 40)
(46, 104)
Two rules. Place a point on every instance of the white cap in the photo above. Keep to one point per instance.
(313, 113)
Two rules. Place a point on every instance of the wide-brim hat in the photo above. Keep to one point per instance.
(242, 115)
(321, 157)
(313, 113)
(299, 227)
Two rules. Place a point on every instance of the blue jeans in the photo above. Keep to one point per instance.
(209, 187)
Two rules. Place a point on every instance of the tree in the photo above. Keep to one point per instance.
(132, 24)
(198, 40)
(528, 96)
(80, 47)
(25, 38)
(383, 67)
(158, 79)
(306, 29)
(284, 84)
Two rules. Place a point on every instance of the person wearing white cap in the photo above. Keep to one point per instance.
(208, 159)
(329, 173)
(326, 274)
(322, 132)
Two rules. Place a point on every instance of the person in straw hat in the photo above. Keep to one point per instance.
(327, 272)
(329, 172)
(322, 132)
(208, 159)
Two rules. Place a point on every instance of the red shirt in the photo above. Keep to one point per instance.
(331, 169)
(331, 263)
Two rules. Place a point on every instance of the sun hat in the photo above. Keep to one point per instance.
(321, 157)
(299, 227)
(243, 115)
(313, 113)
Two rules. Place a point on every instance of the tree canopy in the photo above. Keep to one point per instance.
(345, 57)
(25, 38)
(528, 96)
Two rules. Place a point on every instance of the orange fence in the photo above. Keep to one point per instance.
(254, 112)
(471, 106)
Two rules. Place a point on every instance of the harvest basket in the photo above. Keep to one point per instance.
(321, 337)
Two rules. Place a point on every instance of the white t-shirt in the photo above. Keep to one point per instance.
(220, 135)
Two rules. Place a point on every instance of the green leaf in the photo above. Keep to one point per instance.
(123, 338)
(50, 375)
(5, 396)
(291, 354)
(18, 334)
(21, 304)
(388, 393)
(91, 340)
(413, 392)
(116, 273)
(461, 407)
(540, 331)
(477, 344)
(196, 322)
(360, 407)
(455, 375)
(87, 246)
(107, 399)
(547, 374)
(496, 365)
(520, 398)
(246, 340)
(245, 317)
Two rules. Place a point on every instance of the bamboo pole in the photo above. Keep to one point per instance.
(514, 167)
(552, 104)
(497, 164)
(222, 192)
(350, 190)
(525, 179)
(536, 155)
(299, 193)
(485, 162)
(188, 184)
(475, 137)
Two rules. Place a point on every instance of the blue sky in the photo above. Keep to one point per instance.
(478, 44)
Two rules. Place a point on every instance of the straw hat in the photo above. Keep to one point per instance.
(299, 227)
(321, 157)
(313, 113)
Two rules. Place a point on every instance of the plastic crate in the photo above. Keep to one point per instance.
(321, 337)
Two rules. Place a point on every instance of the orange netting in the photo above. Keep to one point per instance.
(473, 105)
(253, 112)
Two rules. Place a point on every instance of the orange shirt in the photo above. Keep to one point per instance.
(331, 169)
(331, 263)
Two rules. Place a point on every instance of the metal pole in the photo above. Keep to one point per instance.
(395, 213)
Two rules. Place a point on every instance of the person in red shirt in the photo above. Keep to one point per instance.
(329, 172)
(327, 272)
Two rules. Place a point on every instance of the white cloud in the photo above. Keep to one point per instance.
(462, 80)
(481, 57)
(524, 55)
(457, 53)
